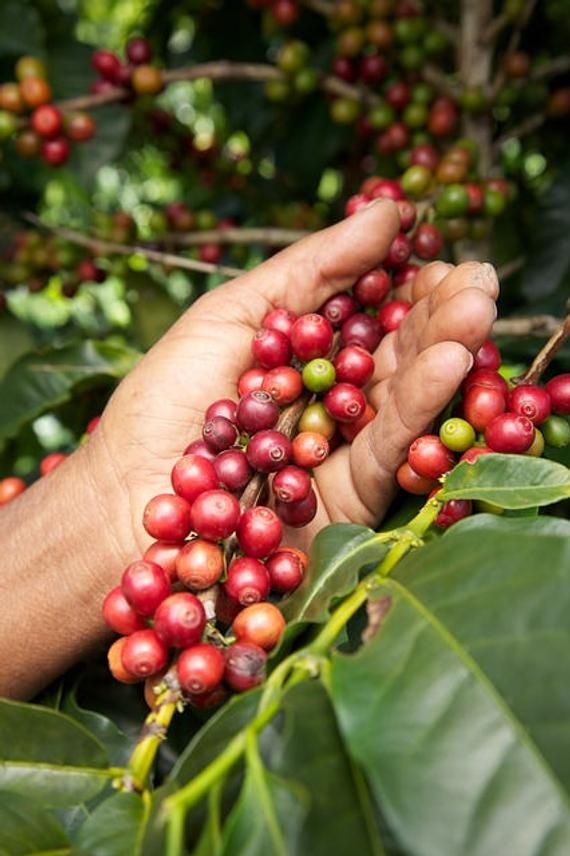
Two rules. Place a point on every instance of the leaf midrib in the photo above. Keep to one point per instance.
(103, 772)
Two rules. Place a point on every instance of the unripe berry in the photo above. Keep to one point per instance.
(145, 585)
(245, 666)
(144, 654)
(429, 457)
(315, 419)
(362, 330)
(146, 80)
(319, 375)
(200, 564)
(284, 384)
(339, 308)
(51, 461)
(115, 663)
(268, 451)
(219, 433)
(248, 581)
(311, 337)
(291, 484)
(167, 517)
(192, 475)
(35, 91)
(215, 514)
(180, 620)
(391, 315)
(556, 431)
(260, 624)
(558, 388)
(488, 356)
(309, 449)
(259, 532)
(286, 571)
(412, 482)
(372, 288)
(119, 615)
(271, 348)
(232, 470)
(452, 511)
(354, 365)
(509, 433)
(345, 402)
(164, 553)
(481, 405)
(250, 381)
(281, 320)
(200, 669)
(531, 401)
(457, 434)
(299, 513)
(257, 412)
(222, 407)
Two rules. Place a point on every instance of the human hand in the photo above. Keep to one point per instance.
(159, 408)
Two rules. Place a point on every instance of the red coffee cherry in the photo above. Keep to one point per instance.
(144, 654)
(412, 482)
(425, 155)
(373, 68)
(215, 514)
(119, 615)
(250, 381)
(372, 288)
(355, 203)
(248, 581)
(180, 620)
(139, 51)
(387, 188)
(291, 484)
(200, 669)
(201, 449)
(259, 532)
(164, 553)
(345, 402)
(245, 666)
(281, 320)
(257, 412)
(219, 433)
(10, 488)
(192, 475)
(362, 330)
(268, 451)
(167, 517)
(558, 388)
(531, 401)
(285, 12)
(260, 624)
(428, 241)
(309, 449)
(80, 127)
(145, 585)
(286, 571)
(222, 407)
(232, 470)
(391, 315)
(56, 151)
(473, 453)
(284, 384)
(481, 404)
(47, 121)
(408, 213)
(299, 513)
(115, 662)
(106, 64)
(398, 95)
(51, 461)
(87, 271)
(476, 197)
(200, 564)
(488, 356)
(339, 308)
(271, 348)
(354, 366)
(349, 430)
(509, 433)
(485, 377)
(311, 337)
(452, 511)
(429, 457)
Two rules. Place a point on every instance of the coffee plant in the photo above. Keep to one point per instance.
(393, 690)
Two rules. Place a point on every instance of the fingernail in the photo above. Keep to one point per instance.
(485, 276)
(470, 361)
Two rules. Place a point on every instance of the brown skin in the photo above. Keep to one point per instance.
(67, 539)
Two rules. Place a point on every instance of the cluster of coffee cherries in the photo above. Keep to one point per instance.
(38, 126)
(491, 414)
(136, 73)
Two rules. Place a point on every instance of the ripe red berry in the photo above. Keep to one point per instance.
(87, 271)
(311, 337)
(139, 51)
(291, 484)
(488, 356)
(180, 620)
(56, 151)
(425, 155)
(248, 581)
(485, 377)
(281, 320)
(354, 365)
(119, 614)
(299, 513)
(452, 511)
(80, 127)
(286, 571)
(429, 457)
(47, 121)
(387, 188)
(215, 514)
(392, 314)
(473, 453)
(405, 274)
(509, 433)
(362, 330)
(259, 532)
(245, 666)
(164, 553)
(222, 407)
(482, 404)
(339, 308)
(192, 475)
(115, 662)
(398, 94)
(219, 433)
(408, 213)
(476, 197)
(200, 564)
(285, 12)
(167, 517)
(145, 585)
(531, 401)
(260, 624)
(144, 654)
(201, 449)
(10, 488)
(271, 348)
(232, 470)
(200, 669)
(250, 381)
(309, 449)
(106, 64)
(373, 68)
(51, 461)
(372, 288)
(345, 402)
(257, 412)
(355, 203)
(412, 482)
(399, 251)
(284, 384)
(268, 451)
(558, 388)
(349, 430)
(428, 241)
(344, 68)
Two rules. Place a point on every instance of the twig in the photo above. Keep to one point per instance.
(559, 65)
(440, 81)
(547, 353)
(271, 236)
(534, 325)
(522, 21)
(101, 247)
(527, 126)
(496, 27)
(323, 7)
(510, 268)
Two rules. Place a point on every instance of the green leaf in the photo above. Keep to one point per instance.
(338, 553)
(27, 829)
(549, 259)
(458, 709)
(43, 380)
(48, 756)
(115, 828)
(510, 481)
(21, 31)
(115, 741)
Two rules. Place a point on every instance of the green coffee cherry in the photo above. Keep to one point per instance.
(381, 117)
(319, 375)
(453, 201)
(345, 111)
(306, 80)
(457, 434)
(292, 57)
(416, 181)
(495, 202)
(556, 431)
(7, 124)
(537, 446)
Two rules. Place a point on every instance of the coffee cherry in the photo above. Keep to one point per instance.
(250, 381)
(200, 564)
(146, 80)
(164, 553)
(398, 95)
(260, 624)
(425, 155)
(457, 434)
(8, 125)
(47, 121)
(391, 315)
(139, 51)
(232, 470)
(488, 356)
(349, 430)
(311, 337)
(372, 288)
(27, 144)
(319, 375)
(222, 407)
(200, 449)
(429, 457)
(309, 449)
(51, 461)
(271, 348)
(531, 401)
(248, 581)
(281, 320)
(80, 127)
(257, 412)
(144, 653)
(315, 419)
(339, 309)
(192, 475)
(284, 384)
(29, 66)
(215, 514)
(119, 615)
(167, 517)
(10, 488)
(556, 432)
(286, 571)
(408, 213)
(219, 433)
(485, 377)
(355, 203)
(285, 12)
(476, 197)
(509, 433)
(153, 687)
(362, 330)
(399, 251)
(481, 405)
(536, 448)
(35, 91)
(416, 181)
(405, 274)
(412, 482)
(145, 585)
(452, 511)
(259, 532)
(56, 151)
(291, 484)
(453, 201)
(268, 451)
(299, 513)
(115, 663)
(180, 620)
(200, 669)
(558, 388)
(107, 64)
(245, 666)
(345, 402)
(428, 241)
(87, 271)
(475, 452)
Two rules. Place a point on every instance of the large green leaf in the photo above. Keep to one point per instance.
(549, 259)
(46, 755)
(43, 380)
(115, 741)
(338, 553)
(27, 829)
(510, 481)
(458, 709)
(115, 828)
